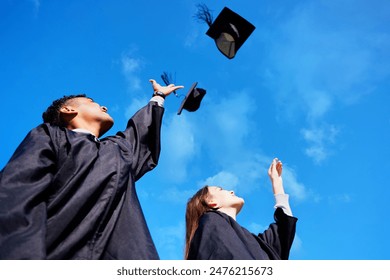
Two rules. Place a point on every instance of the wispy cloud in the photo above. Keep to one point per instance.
(318, 104)
(37, 5)
(256, 228)
(319, 64)
(179, 147)
(297, 246)
(296, 189)
(135, 105)
(170, 241)
(233, 117)
(341, 198)
(224, 179)
(192, 38)
(175, 195)
(226, 132)
(243, 176)
(319, 139)
(245, 179)
(229, 142)
(131, 65)
(225, 141)
(218, 135)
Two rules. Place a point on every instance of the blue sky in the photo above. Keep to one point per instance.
(310, 86)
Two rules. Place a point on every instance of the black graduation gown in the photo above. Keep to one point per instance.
(65, 195)
(220, 237)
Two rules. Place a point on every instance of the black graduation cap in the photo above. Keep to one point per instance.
(193, 98)
(229, 30)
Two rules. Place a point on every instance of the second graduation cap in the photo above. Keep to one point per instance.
(193, 98)
(229, 31)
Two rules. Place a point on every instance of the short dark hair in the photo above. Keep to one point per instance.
(52, 113)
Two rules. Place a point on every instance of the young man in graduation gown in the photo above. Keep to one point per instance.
(212, 232)
(65, 194)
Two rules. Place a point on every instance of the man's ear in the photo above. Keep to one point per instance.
(67, 110)
(68, 113)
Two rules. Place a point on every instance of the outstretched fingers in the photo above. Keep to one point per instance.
(164, 89)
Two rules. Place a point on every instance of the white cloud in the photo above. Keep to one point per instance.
(316, 152)
(136, 104)
(36, 6)
(175, 195)
(340, 198)
(291, 184)
(242, 175)
(219, 136)
(319, 65)
(223, 139)
(130, 68)
(223, 179)
(325, 59)
(191, 39)
(297, 245)
(319, 139)
(178, 140)
(233, 117)
(170, 241)
(318, 103)
(256, 228)
(226, 129)
(36, 3)
(246, 177)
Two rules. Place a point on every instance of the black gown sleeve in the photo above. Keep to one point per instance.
(23, 182)
(143, 134)
(280, 235)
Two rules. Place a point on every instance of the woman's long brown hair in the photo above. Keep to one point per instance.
(196, 207)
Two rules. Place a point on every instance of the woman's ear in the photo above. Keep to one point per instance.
(212, 204)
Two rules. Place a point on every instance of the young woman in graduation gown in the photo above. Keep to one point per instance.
(212, 232)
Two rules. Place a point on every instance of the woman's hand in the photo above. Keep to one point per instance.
(275, 175)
